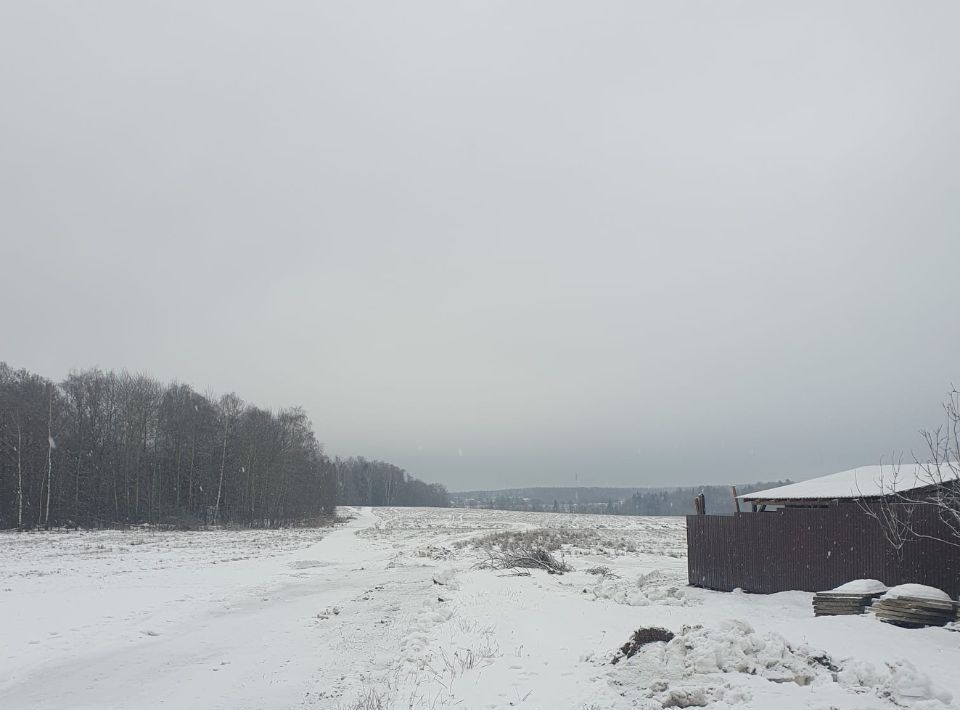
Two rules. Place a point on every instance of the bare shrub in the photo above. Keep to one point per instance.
(522, 556)
(369, 699)
(603, 572)
(550, 539)
(528, 549)
(463, 660)
(640, 638)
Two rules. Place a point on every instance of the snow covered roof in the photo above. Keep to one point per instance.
(866, 481)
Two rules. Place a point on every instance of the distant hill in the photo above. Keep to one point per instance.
(612, 501)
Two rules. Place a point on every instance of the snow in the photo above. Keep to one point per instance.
(921, 591)
(390, 607)
(859, 482)
(861, 586)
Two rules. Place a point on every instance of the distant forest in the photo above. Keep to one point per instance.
(562, 494)
(363, 482)
(108, 448)
(610, 501)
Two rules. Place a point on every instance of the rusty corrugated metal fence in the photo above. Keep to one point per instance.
(814, 550)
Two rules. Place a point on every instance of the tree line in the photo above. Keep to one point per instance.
(674, 501)
(363, 482)
(114, 448)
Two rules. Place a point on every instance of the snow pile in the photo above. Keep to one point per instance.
(655, 587)
(861, 586)
(905, 686)
(694, 670)
(901, 684)
(732, 647)
(921, 591)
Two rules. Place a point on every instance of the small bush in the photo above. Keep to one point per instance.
(603, 571)
(369, 699)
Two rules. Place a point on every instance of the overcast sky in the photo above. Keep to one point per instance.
(499, 243)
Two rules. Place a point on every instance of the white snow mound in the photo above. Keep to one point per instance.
(732, 647)
(902, 684)
(861, 586)
(917, 590)
(654, 587)
(685, 671)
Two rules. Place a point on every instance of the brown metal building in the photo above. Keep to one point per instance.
(817, 534)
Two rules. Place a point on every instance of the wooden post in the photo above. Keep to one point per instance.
(700, 504)
(736, 501)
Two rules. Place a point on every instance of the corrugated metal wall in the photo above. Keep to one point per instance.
(814, 550)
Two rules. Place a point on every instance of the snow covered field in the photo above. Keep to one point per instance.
(388, 611)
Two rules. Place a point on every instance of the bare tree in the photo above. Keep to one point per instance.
(230, 408)
(892, 510)
(933, 483)
(941, 470)
(46, 520)
(19, 475)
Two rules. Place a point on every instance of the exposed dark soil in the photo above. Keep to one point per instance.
(640, 638)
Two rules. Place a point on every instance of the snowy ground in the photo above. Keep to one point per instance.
(388, 612)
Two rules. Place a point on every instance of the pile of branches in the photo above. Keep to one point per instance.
(522, 556)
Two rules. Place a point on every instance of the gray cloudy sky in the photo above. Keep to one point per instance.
(499, 243)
